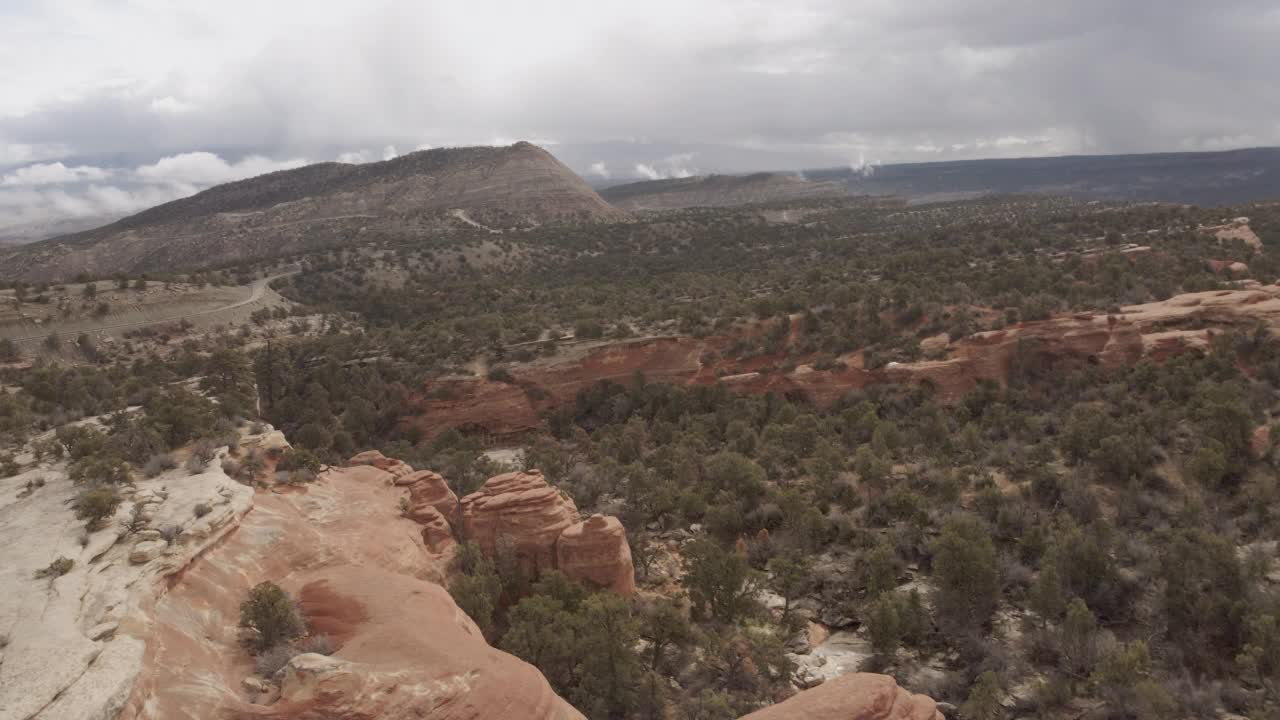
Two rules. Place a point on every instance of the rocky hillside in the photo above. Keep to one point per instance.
(325, 204)
(718, 191)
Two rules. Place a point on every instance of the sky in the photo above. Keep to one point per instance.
(110, 106)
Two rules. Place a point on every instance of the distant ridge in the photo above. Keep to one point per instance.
(718, 191)
(322, 205)
(1196, 178)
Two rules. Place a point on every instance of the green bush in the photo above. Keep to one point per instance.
(57, 568)
(96, 504)
(272, 614)
(101, 469)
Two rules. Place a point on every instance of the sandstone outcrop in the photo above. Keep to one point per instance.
(373, 458)
(1236, 269)
(857, 696)
(1156, 330)
(522, 509)
(596, 551)
(363, 577)
(437, 533)
(76, 643)
(1237, 229)
(428, 489)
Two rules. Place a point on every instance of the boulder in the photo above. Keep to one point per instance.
(856, 696)
(373, 458)
(429, 489)
(596, 551)
(1260, 442)
(522, 509)
(146, 551)
(935, 345)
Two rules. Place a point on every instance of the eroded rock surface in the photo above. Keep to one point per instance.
(596, 551)
(522, 509)
(1156, 330)
(429, 489)
(364, 577)
(858, 696)
(76, 643)
(373, 458)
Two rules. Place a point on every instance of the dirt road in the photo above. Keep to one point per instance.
(256, 289)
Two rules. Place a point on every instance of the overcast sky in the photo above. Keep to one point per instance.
(112, 105)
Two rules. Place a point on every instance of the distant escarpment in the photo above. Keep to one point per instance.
(322, 205)
(719, 191)
(1044, 348)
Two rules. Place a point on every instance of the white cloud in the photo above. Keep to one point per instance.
(671, 166)
(20, 153)
(390, 153)
(356, 157)
(599, 169)
(53, 174)
(53, 191)
(171, 105)
(205, 168)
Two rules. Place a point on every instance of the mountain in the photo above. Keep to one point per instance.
(24, 233)
(1199, 178)
(718, 191)
(322, 205)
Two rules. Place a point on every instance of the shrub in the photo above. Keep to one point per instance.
(159, 464)
(96, 504)
(57, 568)
(81, 441)
(502, 375)
(318, 644)
(101, 470)
(202, 509)
(48, 447)
(298, 459)
(8, 466)
(170, 534)
(202, 453)
(966, 572)
(272, 614)
(273, 659)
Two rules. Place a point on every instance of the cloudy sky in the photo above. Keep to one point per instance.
(109, 106)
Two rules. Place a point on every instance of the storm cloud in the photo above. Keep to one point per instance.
(654, 89)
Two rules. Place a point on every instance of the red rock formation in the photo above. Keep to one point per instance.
(437, 534)
(373, 458)
(858, 696)
(429, 489)
(406, 651)
(1055, 345)
(596, 551)
(1237, 269)
(1237, 229)
(519, 507)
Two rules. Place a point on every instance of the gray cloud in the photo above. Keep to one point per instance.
(621, 89)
